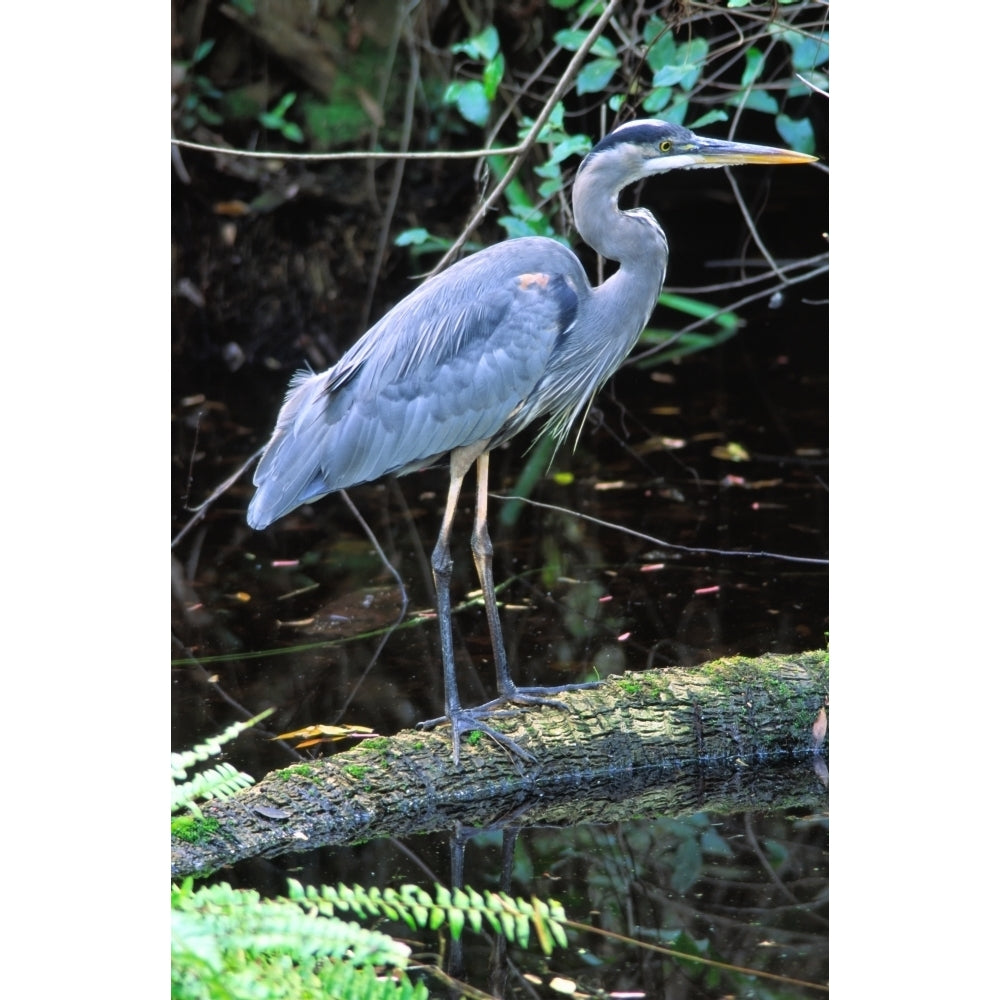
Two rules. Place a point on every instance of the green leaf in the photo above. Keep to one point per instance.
(552, 128)
(550, 187)
(490, 913)
(813, 79)
(475, 912)
(473, 104)
(755, 100)
(669, 74)
(808, 51)
(515, 227)
(523, 930)
(699, 309)
(518, 198)
(276, 119)
(797, 132)
(483, 46)
(208, 116)
(492, 75)
(573, 145)
(489, 41)
(695, 53)
(205, 87)
(284, 104)
(596, 75)
(678, 345)
(677, 112)
(710, 118)
(203, 50)
(559, 933)
(662, 46)
(685, 67)
(572, 40)
(755, 63)
(412, 237)
(657, 99)
(556, 119)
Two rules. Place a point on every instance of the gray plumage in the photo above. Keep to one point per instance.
(480, 328)
(507, 337)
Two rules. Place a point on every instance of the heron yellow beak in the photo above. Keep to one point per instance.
(719, 152)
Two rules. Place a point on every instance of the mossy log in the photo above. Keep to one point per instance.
(731, 735)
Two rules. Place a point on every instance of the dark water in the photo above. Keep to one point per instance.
(725, 451)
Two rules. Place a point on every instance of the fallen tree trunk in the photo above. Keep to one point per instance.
(731, 735)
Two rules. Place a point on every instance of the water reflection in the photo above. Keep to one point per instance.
(745, 892)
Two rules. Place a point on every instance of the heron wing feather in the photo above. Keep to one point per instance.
(451, 366)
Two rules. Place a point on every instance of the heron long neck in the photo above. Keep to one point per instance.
(632, 238)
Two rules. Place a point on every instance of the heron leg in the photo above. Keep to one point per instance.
(441, 566)
(462, 720)
(482, 554)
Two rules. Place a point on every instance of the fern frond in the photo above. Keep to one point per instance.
(214, 783)
(506, 915)
(230, 942)
(180, 762)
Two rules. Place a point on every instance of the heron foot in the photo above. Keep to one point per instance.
(538, 695)
(471, 720)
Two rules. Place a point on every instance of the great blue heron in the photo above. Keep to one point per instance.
(474, 355)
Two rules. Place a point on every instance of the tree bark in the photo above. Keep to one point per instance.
(731, 735)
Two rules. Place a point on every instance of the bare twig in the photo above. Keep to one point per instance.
(202, 508)
(459, 154)
(404, 602)
(659, 541)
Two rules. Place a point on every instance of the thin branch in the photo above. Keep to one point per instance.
(764, 293)
(786, 282)
(659, 541)
(202, 508)
(460, 154)
(404, 602)
(688, 957)
(722, 286)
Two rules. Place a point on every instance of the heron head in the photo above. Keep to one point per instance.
(649, 146)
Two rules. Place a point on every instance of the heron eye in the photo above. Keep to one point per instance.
(665, 146)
